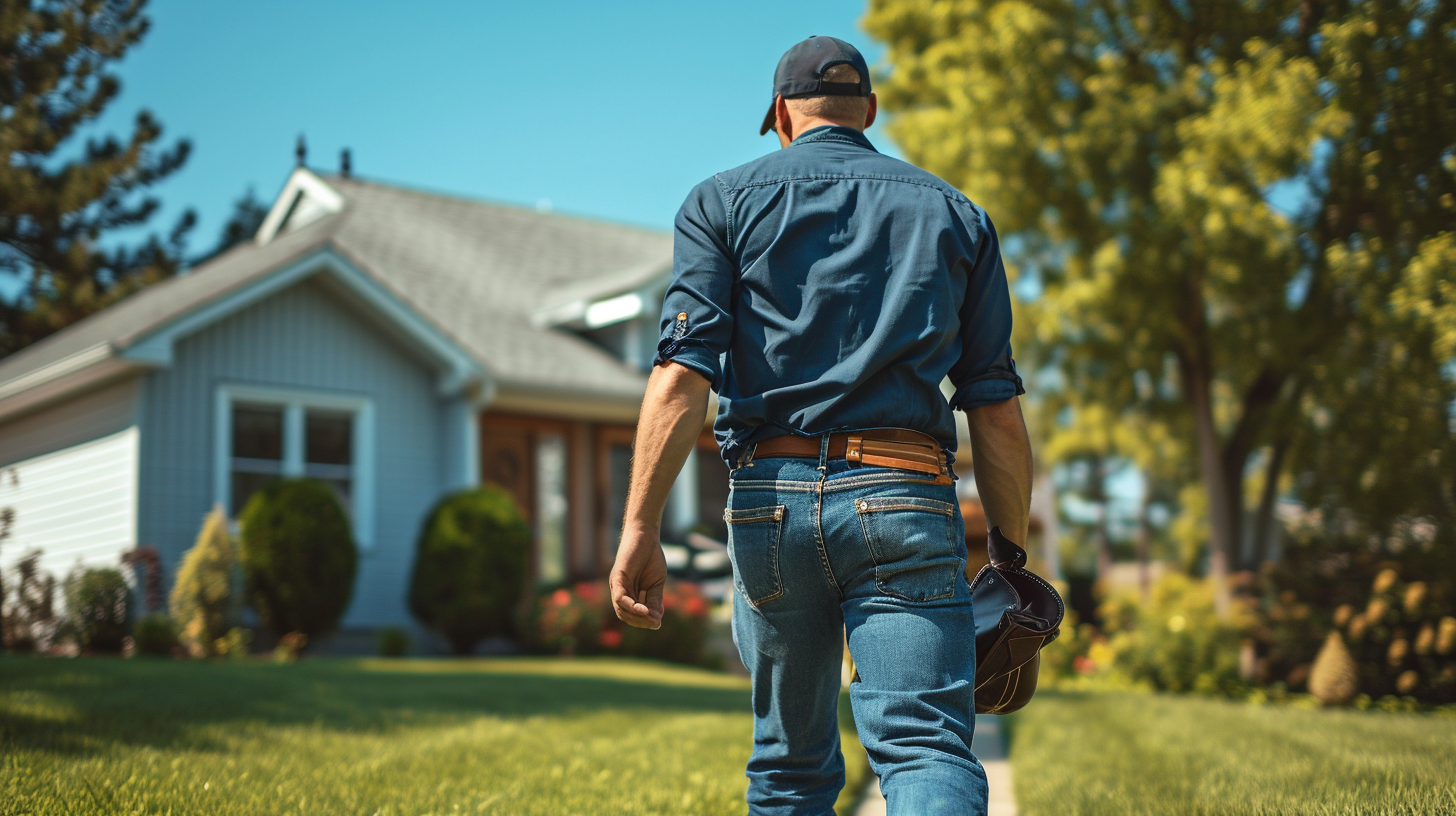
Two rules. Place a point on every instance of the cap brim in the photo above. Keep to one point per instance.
(768, 119)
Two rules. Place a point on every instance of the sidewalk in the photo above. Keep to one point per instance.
(990, 748)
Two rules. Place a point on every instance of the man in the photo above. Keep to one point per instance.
(841, 287)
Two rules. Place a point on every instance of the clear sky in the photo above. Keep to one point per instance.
(606, 109)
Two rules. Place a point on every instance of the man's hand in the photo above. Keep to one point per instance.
(637, 579)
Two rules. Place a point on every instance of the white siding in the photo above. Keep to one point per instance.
(77, 504)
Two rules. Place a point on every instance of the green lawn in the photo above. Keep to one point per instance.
(323, 736)
(1088, 754)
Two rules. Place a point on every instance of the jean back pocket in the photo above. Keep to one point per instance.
(912, 540)
(753, 549)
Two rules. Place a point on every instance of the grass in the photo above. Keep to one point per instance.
(322, 736)
(1088, 754)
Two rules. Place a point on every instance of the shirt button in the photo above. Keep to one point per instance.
(682, 315)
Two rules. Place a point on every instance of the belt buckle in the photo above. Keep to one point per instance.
(854, 448)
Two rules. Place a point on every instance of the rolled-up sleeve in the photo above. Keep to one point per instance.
(697, 312)
(985, 373)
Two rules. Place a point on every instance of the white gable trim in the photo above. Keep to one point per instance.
(458, 369)
(302, 187)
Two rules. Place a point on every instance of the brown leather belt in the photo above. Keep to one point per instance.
(883, 447)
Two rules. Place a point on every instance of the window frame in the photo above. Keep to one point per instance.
(294, 403)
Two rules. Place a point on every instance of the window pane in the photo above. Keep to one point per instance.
(244, 484)
(551, 508)
(328, 438)
(258, 431)
(619, 474)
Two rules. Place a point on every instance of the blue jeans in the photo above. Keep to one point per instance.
(821, 548)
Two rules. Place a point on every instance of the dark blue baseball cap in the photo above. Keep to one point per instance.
(801, 73)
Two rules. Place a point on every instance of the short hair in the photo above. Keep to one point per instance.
(839, 108)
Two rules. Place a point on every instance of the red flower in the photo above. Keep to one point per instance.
(611, 638)
(561, 597)
(696, 607)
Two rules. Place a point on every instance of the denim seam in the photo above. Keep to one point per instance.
(819, 541)
(853, 177)
(830, 486)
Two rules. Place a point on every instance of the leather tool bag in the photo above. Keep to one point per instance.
(1017, 613)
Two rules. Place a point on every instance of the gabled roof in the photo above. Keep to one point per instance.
(478, 271)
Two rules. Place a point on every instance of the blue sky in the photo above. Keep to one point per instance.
(611, 110)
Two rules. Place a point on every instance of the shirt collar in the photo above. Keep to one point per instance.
(833, 133)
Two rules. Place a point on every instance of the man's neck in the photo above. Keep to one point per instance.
(802, 126)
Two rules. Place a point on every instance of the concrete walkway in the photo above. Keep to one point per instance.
(990, 748)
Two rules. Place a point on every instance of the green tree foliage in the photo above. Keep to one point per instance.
(98, 608)
(298, 557)
(248, 214)
(1136, 150)
(57, 202)
(471, 566)
(203, 601)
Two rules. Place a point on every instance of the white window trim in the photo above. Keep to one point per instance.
(294, 403)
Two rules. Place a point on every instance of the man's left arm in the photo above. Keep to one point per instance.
(673, 411)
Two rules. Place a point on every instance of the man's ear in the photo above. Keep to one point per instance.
(870, 116)
(783, 125)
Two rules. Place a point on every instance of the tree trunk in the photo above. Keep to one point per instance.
(1145, 547)
(1222, 506)
(1264, 516)
(1104, 542)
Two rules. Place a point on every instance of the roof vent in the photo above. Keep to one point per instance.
(300, 151)
(346, 166)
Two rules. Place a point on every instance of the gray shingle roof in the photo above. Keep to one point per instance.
(476, 269)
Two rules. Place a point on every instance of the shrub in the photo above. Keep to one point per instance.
(1174, 642)
(580, 620)
(98, 609)
(1334, 679)
(393, 642)
(29, 622)
(470, 566)
(154, 635)
(289, 646)
(298, 557)
(203, 602)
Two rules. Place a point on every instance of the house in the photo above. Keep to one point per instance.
(397, 344)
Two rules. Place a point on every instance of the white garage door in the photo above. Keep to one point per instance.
(77, 504)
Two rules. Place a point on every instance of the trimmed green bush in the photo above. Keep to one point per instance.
(98, 608)
(155, 635)
(203, 603)
(471, 566)
(393, 642)
(298, 557)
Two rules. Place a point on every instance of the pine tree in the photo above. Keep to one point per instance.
(58, 203)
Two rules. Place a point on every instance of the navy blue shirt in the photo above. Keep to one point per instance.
(826, 287)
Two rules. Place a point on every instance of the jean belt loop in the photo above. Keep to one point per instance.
(823, 452)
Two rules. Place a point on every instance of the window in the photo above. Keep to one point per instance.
(551, 508)
(257, 453)
(265, 433)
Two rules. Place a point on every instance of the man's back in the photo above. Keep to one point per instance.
(844, 286)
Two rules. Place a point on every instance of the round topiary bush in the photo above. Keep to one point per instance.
(155, 635)
(471, 566)
(98, 608)
(298, 557)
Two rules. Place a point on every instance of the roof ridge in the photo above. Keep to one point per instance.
(342, 183)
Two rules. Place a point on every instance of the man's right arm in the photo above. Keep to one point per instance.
(987, 386)
(1001, 458)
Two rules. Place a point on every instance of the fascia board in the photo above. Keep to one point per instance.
(459, 370)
